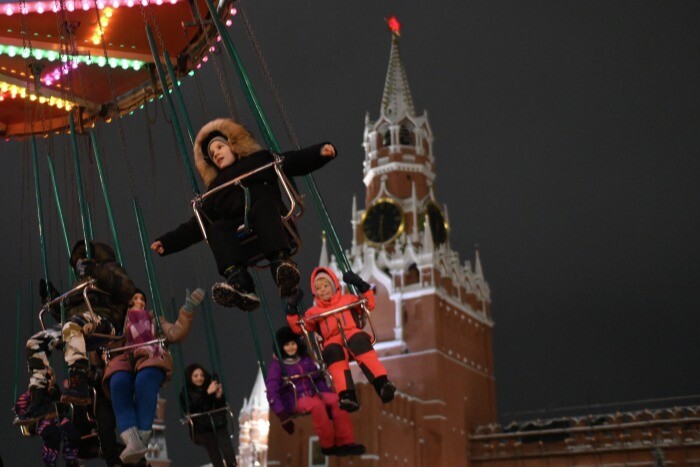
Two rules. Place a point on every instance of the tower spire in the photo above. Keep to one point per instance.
(396, 99)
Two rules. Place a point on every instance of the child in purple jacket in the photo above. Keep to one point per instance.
(331, 424)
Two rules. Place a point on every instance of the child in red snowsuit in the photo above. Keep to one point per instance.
(305, 390)
(328, 295)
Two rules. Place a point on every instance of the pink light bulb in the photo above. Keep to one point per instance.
(229, 22)
(205, 59)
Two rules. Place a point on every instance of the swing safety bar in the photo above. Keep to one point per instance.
(188, 417)
(296, 206)
(108, 353)
(84, 287)
(362, 303)
(289, 380)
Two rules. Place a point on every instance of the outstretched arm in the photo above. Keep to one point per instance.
(305, 161)
(180, 329)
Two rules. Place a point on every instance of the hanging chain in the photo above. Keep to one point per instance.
(200, 93)
(291, 135)
(120, 124)
(211, 34)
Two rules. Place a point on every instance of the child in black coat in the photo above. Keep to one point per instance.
(225, 150)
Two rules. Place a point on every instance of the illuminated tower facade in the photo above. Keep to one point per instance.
(433, 315)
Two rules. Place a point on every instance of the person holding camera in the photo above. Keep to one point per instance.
(203, 394)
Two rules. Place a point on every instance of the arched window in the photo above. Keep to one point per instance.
(387, 137)
(405, 136)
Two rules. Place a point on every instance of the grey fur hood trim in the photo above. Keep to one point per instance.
(239, 139)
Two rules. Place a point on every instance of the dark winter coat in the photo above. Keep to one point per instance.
(199, 401)
(230, 202)
(111, 278)
(281, 395)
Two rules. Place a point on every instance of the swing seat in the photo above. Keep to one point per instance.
(247, 236)
(363, 318)
(84, 288)
(289, 380)
(109, 353)
(188, 418)
(249, 239)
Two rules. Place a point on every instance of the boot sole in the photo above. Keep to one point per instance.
(229, 297)
(288, 278)
(133, 457)
(349, 407)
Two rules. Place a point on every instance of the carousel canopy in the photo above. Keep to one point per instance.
(92, 57)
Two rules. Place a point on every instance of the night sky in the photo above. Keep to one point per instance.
(567, 144)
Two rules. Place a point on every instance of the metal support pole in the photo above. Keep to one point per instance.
(150, 269)
(105, 194)
(59, 206)
(79, 185)
(40, 214)
(178, 94)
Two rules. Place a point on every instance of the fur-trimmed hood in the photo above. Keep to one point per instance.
(239, 139)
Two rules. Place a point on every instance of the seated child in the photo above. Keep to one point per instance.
(133, 377)
(328, 295)
(223, 151)
(332, 425)
(109, 311)
(201, 394)
(54, 428)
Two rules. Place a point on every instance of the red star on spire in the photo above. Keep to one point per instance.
(394, 25)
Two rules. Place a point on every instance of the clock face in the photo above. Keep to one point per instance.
(436, 221)
(383, 221)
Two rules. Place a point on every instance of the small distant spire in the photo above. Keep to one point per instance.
(258, 397)
(323, 260)
(478, 270)
(396, 99)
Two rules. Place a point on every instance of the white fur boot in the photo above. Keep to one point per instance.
(134, 449)
(145, 436)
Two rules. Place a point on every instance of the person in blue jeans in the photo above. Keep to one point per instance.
(133, 377)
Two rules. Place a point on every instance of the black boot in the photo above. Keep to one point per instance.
(285, 273)
(384, 388)
(75, 388)
(40, 406)
(348, 401)
(351, 449)
(331, 451)
(237, 291)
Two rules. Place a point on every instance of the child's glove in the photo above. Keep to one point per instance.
(351, 278)
(288, 426)
(293, 303)
(193, 299)
(52, 292)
